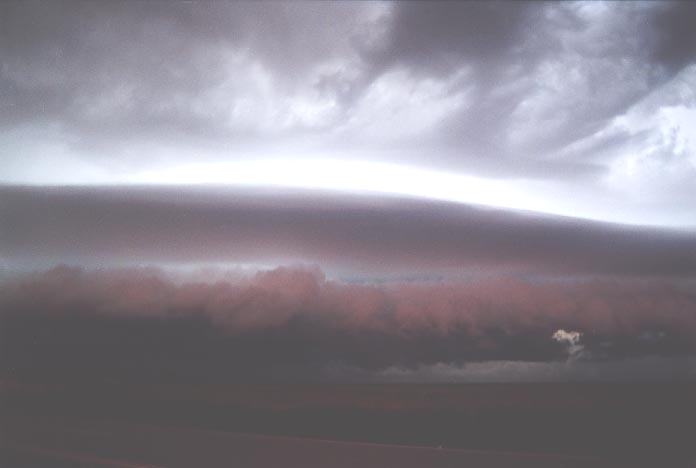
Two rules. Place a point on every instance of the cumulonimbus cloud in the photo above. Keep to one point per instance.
(518, 91)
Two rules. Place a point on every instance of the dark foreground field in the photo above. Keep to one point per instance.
(496, 425)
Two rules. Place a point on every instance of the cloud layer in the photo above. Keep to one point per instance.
(583, 109)
(294, 324)
(345, 235)
(594, 101)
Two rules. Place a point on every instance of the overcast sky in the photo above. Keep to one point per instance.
(582, 109)
(355, 190)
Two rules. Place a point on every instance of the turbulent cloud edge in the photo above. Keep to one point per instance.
(296, 322)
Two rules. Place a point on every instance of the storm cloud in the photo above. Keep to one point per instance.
(346, 235)
(594, 101)
(348, 190)
(294, 324)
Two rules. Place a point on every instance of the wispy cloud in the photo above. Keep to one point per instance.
(587, 105)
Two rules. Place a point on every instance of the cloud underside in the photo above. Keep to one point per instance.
(474, 71)
(583, 109)
(293, 324)
(344, 235)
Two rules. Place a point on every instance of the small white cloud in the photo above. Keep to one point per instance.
(572, 340)
(571, 337)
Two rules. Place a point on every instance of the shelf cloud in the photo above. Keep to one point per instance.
(294, 324)
(343, 234)
(382, 191)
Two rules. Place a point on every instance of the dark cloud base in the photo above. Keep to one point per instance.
(293, 325)
(341, 233)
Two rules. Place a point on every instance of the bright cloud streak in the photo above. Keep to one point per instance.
(578, 109)
(355, 176)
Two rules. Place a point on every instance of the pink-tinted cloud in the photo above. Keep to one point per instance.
(291, 318)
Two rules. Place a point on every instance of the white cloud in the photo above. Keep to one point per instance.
(572, 340)
(399, 106)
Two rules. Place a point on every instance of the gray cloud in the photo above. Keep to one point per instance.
(344, 234)
(293, 323)
(157, 70)
(632, 369)
(501, 89)
(589, 105)
(675, 36)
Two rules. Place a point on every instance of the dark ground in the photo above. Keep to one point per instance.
(650, 425)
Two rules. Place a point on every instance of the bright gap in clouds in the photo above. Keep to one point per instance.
(352, 176)
(355, 177)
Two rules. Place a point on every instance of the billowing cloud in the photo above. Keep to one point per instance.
(296, 324)
(579, 110)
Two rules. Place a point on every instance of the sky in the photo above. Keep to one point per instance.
(348, 190)
(578, 109)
